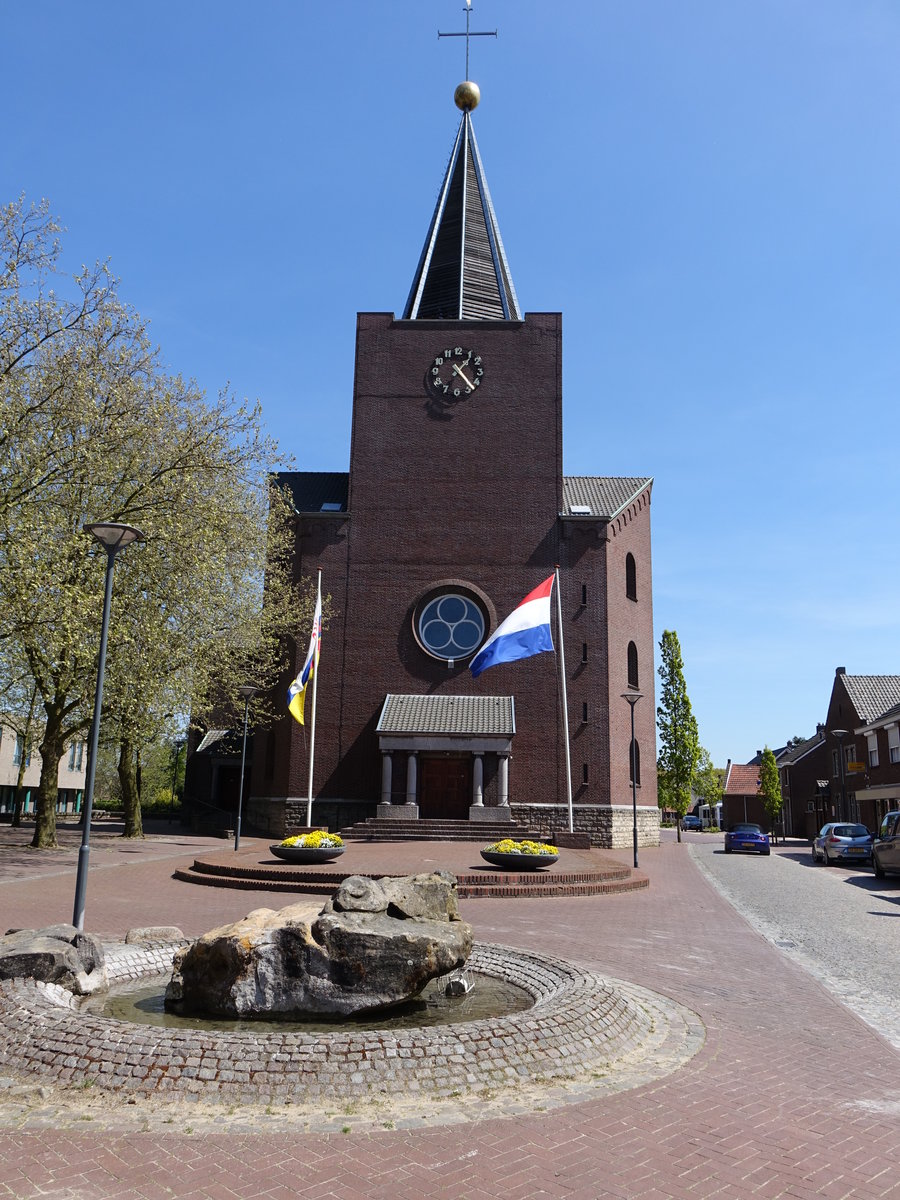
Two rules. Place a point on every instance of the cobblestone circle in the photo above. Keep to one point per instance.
(583, 1031)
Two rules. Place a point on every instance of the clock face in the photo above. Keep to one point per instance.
(454, 374)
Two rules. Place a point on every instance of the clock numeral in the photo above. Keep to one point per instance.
(448, 354)
(477, 360)
(456, 391)
(436, 371)
(476, 382)
(446, 387)
(458, 350)
(439, 362)
(479, 371)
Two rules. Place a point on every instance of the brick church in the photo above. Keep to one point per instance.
(454, 508)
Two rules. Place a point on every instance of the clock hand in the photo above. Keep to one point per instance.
(463, 376)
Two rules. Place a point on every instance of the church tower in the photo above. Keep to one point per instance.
(455, 506)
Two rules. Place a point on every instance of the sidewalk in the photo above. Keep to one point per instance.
(791, 1095)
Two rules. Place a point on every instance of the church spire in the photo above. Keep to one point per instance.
(463, 273)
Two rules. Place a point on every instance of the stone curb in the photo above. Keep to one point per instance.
(583, 1031)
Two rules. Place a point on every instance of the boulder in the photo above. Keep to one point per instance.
(60, 954)
(374, 945)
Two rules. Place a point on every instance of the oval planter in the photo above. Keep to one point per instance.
(307, 854)
(518, 862)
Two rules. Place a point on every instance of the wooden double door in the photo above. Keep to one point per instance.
(445, 787)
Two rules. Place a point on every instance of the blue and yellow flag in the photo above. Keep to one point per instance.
(297, 690)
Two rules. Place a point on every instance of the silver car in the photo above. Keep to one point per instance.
(842, 841)
(886, 851)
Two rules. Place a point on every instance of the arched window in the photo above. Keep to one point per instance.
(633, 665)
(634, 758)
(630, 577)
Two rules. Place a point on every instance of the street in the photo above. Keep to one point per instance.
(840, 923)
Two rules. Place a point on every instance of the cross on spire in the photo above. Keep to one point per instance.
(469, 33)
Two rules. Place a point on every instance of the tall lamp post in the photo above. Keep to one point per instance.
(840, 734)
(632, 698)
(113, 537)
(246, 693)
(179, 742)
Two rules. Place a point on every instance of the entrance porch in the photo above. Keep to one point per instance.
(446, 758)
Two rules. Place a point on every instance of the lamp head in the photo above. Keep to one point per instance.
(632, 697)
(113, 535)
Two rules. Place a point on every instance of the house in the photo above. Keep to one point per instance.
(863, 736)
(70, 777)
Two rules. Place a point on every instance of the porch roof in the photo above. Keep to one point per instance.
(458, 716)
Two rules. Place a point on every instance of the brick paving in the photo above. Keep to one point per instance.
(791, 1094)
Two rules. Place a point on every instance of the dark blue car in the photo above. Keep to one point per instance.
(748, 839)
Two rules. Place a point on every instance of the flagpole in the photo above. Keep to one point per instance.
(312, 727)
(565, 698)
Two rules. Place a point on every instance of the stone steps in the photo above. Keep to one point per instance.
(379, 829)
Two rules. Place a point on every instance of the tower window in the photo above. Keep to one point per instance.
(584, 593)
(630, 577)
(633, 665)
(584, 652)
(584, 713)
(584, 772)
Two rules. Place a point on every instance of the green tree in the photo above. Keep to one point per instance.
(679, 745)
(770, 787)
(100, 432)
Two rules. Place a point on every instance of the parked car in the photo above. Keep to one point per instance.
(691, 822)
(747, 838)
(886, 847)
(842, 841)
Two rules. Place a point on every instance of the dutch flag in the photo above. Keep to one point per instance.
(525, 631)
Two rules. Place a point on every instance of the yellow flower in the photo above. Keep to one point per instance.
(317, 839)
(526, 846)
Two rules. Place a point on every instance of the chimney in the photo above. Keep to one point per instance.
(840, 670)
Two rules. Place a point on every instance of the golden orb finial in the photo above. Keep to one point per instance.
(467, 96)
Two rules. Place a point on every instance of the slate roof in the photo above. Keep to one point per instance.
(743, 780)
(605, 495)
(310, 490)
(463, 273)
(872, 695)
(460, 715)
(793, 755)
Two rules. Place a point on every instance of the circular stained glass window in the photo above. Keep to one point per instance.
(450, 626)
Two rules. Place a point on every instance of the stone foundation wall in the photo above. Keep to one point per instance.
(282, 816)
(608, 826)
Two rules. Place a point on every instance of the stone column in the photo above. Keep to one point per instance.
(503, 781)
(386, 764)
(411, 778)
(478, 782)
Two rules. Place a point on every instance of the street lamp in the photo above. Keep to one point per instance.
(632, 698)
(179, 742)
(246, 693)
(840, 734)
(113, 537)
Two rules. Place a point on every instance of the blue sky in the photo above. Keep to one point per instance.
(707, 190)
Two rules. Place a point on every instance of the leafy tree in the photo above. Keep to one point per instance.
(770, 787)
(92, 428)
(679, 745)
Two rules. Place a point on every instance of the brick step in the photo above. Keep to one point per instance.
(611, 878)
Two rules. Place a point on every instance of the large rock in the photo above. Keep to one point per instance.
(374, 945)
(59, 954)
